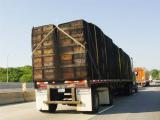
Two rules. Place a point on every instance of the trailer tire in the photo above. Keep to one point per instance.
(52, 108)
(147, 84)
(95, 101)
(53, 96)
(128, 90)
(136, 90)
(110, 97)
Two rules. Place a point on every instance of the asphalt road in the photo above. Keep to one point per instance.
(144, 105)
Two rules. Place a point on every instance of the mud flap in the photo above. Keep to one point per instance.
(84, 95)
(41, 95)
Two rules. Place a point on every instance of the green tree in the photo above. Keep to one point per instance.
(3, 77)
(16, 74)
(26, 69)
(155, 74)
(26, 78)
(27, 74)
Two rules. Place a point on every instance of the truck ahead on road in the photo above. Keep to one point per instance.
(75, 63)
(142, 76)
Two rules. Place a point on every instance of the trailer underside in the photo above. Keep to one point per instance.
(85, 97)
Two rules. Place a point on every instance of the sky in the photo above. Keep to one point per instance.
(134, 25)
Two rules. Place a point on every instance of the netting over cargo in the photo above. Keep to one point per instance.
(59, 58)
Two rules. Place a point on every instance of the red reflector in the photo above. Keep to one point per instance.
(42, 85)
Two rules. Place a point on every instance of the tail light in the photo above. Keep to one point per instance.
(77, 83)
(42, 85)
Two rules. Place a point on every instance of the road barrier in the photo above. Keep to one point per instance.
(12, 97)
(29, 96)
(15, 85)
(16, 97)
(16, 92)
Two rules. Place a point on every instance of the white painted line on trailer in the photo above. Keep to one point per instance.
(105, 109)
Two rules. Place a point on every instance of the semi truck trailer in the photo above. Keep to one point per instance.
(76, 64)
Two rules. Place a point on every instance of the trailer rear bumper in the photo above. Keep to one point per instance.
(81, 96)
(62, 102)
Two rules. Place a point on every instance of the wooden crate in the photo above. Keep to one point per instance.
(69, 51)
(43, 58)
(60, 58)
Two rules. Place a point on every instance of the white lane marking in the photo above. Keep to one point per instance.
(105, 109)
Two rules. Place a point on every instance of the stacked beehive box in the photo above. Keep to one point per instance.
(72, 56)
(65, 60)
(44, 57)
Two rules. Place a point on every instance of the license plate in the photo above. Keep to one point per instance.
(61, 90)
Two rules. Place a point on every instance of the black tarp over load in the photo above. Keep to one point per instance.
(100, 59)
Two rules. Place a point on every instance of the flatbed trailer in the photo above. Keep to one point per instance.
(76, 64)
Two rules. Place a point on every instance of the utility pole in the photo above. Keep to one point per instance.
(7, 68)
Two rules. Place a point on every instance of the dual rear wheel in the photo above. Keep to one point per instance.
(52, 108)
(95, 101)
